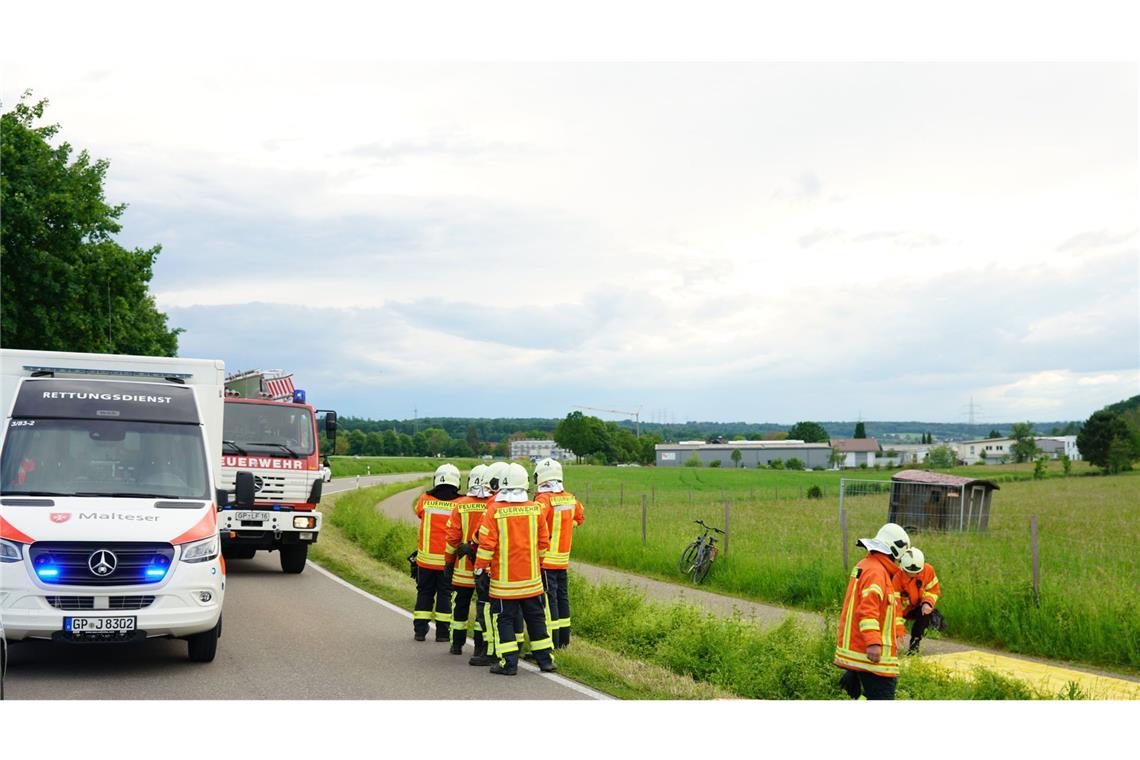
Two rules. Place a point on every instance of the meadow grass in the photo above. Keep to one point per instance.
(343, 466)
(635, 648)
(788, 550)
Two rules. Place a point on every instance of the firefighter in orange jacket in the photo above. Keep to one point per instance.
(433, 509)
(865, 645)
(919, 590)
(561, 512)
(513, 540)
(459, 556)
(487, 622)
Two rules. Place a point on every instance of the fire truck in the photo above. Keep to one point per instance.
(270, 431)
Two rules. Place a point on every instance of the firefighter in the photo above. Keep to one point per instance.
(513, 540)
(561, 512)
(865, 646)
(459, 556)
(486, 620)
(433, 508)
(919, 591)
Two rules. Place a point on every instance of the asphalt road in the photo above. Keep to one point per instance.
(308, 636)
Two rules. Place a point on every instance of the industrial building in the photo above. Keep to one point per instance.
(538, 449)
(814, 455)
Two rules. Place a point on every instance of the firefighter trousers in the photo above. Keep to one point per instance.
(433, 602)
(869, 685)
(558, 600)
(460, 623)
(533, 613)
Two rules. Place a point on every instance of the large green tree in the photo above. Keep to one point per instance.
(808, 432)
(1109, 441)
(860, 430)
(65, 284)
(583, 435)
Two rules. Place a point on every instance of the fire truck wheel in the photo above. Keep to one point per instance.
(293, 557)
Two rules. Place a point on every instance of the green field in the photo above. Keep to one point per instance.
(343, 466)
(787, 549)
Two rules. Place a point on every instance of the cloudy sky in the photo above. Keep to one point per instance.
(760, 242)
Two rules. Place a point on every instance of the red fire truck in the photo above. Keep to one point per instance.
(272, 435)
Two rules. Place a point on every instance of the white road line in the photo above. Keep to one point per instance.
(560, 680)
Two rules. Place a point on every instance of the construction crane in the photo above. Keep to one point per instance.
(636, 415)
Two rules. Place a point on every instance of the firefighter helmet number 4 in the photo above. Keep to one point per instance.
(446, 473)
(516, 476)
(547, 469)
(493, 479)
(475, 478)
(895, 538)
(912, 561)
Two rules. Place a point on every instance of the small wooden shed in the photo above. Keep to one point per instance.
(922, 500)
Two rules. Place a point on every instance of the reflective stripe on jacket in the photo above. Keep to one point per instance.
(462, 526)
(513, 539)
(868, 617)
(433, 514)
(561, 512)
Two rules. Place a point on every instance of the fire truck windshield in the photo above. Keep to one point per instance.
(276, 429)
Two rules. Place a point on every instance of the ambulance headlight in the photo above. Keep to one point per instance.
(201, 551)
(10, 551)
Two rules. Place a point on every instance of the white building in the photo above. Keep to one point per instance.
(536, 449)
(986, 450)
(1053, 446)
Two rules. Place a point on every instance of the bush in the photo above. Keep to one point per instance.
(862, 465)
(794, 464)
(815, 492)
(693, 461)
(761, 466)
(776, 464)
(1039, 465)
(714, 463)
(1066, 464)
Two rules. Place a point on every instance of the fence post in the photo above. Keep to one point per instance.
(586, 500)
(644, 512)
(653, 490)
(358, 481)
(722, 494)
(777, 493)
(621, 495)
(1036, 575)
(727, 511)
(843, 527)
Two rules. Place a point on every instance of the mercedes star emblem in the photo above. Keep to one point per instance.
(102, 563)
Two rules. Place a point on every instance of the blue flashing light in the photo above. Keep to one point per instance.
(47, 571)
(298, 396)
(155, 572)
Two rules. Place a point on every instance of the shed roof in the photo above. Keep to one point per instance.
(855, 445)
(940, 479)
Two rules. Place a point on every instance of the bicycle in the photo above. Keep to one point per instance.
(697, 558)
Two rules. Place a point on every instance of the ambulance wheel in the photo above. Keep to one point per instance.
(238, 552)
(293, 558)
(203, 646)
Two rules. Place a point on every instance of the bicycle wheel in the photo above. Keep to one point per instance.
(685, 563)
(701, 566)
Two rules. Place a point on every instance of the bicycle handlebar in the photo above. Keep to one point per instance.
(708, 527)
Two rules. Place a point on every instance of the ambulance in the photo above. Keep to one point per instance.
(108, 509)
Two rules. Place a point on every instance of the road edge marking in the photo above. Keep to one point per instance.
(560, 680)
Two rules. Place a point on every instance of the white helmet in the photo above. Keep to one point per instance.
(493, 478)
(446, 473)
(516, 476)
(894, 538)
(912, 561)
(547, 469)
(475, 477)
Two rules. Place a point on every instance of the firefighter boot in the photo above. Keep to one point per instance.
(442, 631)
(563, 640)
(508, 666)
(545, 661)
(458, 639)
(481, 658)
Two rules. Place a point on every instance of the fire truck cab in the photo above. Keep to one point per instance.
(276, 441)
